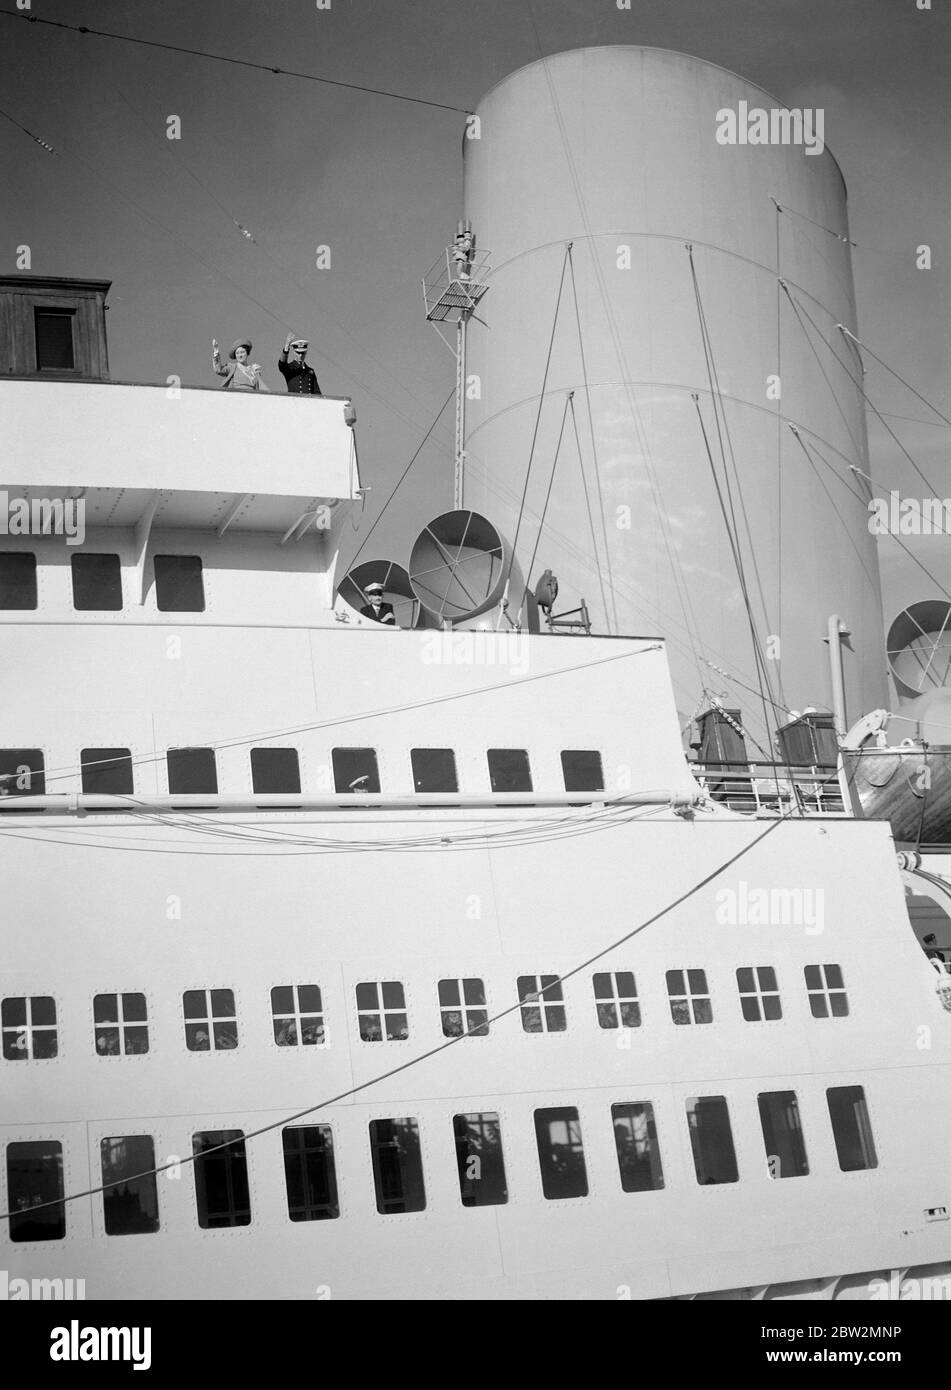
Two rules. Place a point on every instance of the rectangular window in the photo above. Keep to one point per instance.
(561, 1153)
(462, 1008)
(851, 1128)
(298, 1015)
(582, 770)
(310, 1174)
(542, 1004)
(22, 772)
(97, 582)
(638, 1153)
(53, 331)
(275, 770)
(107, 771)
(28, 1027)
(759, 996)
(782, 1134)
(17, 579)
(509, 770)
(211, 1023)
(191, 771)
(711, 1140)
(615, 998)
(130, 1199)
(221, 1179)
(179, 587)
(826, 990)
(397, 1166)
(434, 769)
(355, 770)
(479, 1159)
(381, 1011)
(689, 996)
(35, 1177)
(121, 1024)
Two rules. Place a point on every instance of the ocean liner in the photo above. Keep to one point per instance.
(498, 951)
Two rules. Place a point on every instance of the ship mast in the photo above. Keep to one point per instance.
(452, 289)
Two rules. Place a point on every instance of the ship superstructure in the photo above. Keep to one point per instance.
(357, 960)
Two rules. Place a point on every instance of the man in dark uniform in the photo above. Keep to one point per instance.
(376, 609)
(300, 378)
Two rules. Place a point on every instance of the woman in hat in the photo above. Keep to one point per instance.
(240, 373)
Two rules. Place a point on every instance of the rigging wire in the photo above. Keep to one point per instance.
(864, 346)
(538, 416)
(594, 447)
(861, 387)
(400, 479)
(551, 480)
(430, 1052)
(236, 62)
(587, 503)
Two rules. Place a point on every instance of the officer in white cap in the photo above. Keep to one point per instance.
(376, 609)
(299, 376)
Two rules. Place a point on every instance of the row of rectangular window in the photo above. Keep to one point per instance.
(28, 1025)
(222, 1194)
(97, 582)
(194, 771)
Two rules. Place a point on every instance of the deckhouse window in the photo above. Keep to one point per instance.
(28, 1027)
(120, 1022)
(582, 770)
(355, 770)
(711, 1140)
(179, 587)
(191, 771)
(397, 1166)
(826, 990)
(298, 1015)
(35, 1178)
(21, 772)
(509, 770)
(462, 1008)
(53, 333)
(211, 1024)
(434, 769)
(689, 996)
(638, 1153)
(17, 579)
(759, 995)
(615, 998)
(782, 1134)
(381, 1011)
(107, 771)
(97, 582)
(310, 1174)
(542, 1004)
(130, 1199)
(561, 1153)
(275, 770)
(851, 1128)
(221, 1178)
(479, 1159)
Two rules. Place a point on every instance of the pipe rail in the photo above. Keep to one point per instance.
(77, 803)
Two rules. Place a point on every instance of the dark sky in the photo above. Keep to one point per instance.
(380, 181)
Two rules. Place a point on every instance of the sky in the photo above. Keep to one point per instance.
(299, 165)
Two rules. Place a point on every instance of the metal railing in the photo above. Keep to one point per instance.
(766, 786)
